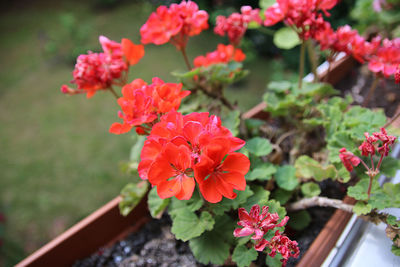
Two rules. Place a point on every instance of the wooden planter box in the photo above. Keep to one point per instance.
(106, 226)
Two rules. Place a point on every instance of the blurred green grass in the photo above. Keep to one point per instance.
(58, 162)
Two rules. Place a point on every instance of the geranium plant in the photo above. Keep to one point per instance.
(211, 168)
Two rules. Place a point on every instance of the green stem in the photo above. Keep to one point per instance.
(301, 64)
(371, 178)
(113, 92)
(312, 57)
(266, 31)
(183, 50)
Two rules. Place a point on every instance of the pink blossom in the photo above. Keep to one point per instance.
(348, 159)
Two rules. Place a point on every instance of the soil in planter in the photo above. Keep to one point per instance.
(152, 245)
(358, 83)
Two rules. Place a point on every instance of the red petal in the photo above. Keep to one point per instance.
(119, 128)
(236, 162)
(133, 53)
(209, 191)
(160, 171)
(203, 168)
(224, 188)
(90, 93)
(187, 188)
(168, 189)
(192, 130)
(235, 179)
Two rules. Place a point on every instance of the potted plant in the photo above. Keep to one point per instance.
(211, 167)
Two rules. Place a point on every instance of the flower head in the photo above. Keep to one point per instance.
(174, 24)
(223, 54)
(348, 159)
(141, 103)
(387, 141)
(283, 245)
(387, 58)
(257, 223)
(236, 24)
(207, 154)
(98, 71)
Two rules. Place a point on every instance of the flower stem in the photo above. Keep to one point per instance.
(113, 92)
(183, 50)
(301, 63)
(371, 90)
(371, 178)
(312, 57)
(395, 117)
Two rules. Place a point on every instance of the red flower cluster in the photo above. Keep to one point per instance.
(183, 149)
(142, 103)
(174, 24)
(97, 71)
(260, 224)
(223, 54)
(348, 159)
(236, 24)
(369, 146)
(304, 14)
(387, 58)
(347, 40)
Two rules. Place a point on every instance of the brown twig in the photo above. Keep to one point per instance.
(321, 202)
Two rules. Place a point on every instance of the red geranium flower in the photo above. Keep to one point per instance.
(223, 54)
(257, 223)
(217, 176)
(141, 103)
(348, 159)
(236, 24)
(387, 58)
(170, 172)
(174, 24)
(97, 71)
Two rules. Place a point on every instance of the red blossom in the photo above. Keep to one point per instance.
(217, 176)
(141, 103)
(283, 245)
(223, 54)
(170, 172)
(348, 159)
(174, 24)
(257, 223)
(387, 141)
(305, 15)
(98, 71)
(367, 147)
(208, 146)
(387, 58)
(236, 24)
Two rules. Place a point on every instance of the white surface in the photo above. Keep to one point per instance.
(373, 249)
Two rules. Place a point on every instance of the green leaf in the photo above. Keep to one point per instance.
(308, 168)
(186, 225)
(395, 250)
(286, 38)
(392, 220)
(299, 220)
(243, 256)
(274, 206)
(310, 189)
(285, 177)
(261, 172)
(156, 204)
(389, 166)
(282, 195)
(137, 148)
(213, 246)
(361, 208)
(264, 4)
(279, 86)
(227, 204)
(259, 146)
(274, 261)
(131, 195)
(360, 190)
(193, 204)
(232, 121)
(260, 196)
